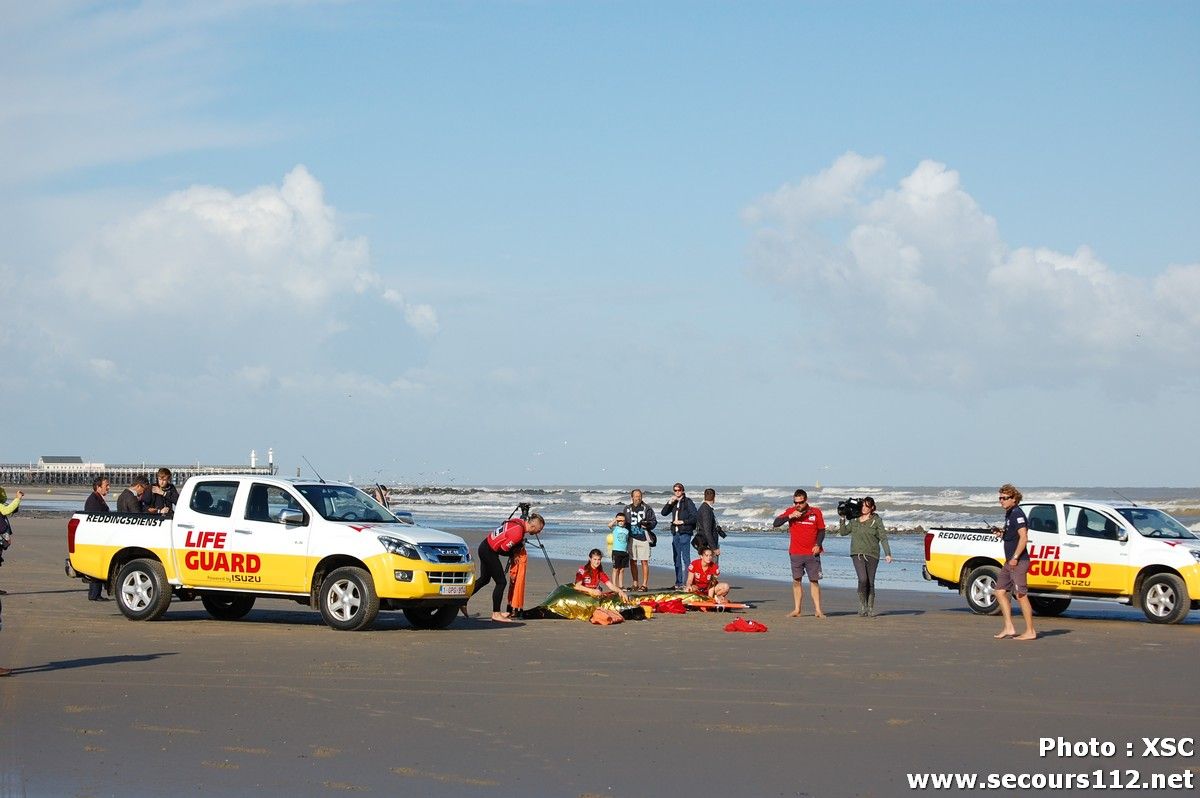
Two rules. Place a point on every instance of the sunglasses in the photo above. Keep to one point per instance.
(1006, 498)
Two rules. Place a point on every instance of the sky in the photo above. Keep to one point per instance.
(608, 243)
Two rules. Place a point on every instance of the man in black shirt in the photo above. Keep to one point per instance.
(130, 500)
(1013, 576)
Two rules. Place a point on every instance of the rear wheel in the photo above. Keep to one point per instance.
(348, 599)
(431, 617)
(980, 590)
(1049, 606)
(227, 606)
(143, 593)
(1164, 599)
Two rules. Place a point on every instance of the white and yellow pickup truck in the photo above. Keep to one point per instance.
(234, 539)
(1079, 549)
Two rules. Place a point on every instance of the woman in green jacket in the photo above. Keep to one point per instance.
(867, 535)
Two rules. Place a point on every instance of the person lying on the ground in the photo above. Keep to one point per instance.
(592, 580)
(702, 577)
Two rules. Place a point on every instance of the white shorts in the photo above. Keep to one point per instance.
(639, 549)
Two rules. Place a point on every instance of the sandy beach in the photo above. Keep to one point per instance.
(279, 704)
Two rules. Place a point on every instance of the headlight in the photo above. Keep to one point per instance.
(1195, 553)
(396, 546)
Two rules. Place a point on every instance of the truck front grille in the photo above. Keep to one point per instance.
(449, 577)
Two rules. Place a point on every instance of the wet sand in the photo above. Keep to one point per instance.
(279, 704)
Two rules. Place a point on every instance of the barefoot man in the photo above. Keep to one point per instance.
(502, 540)
(806, 524)
(1013, 576)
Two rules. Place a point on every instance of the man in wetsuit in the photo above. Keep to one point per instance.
(502, 540)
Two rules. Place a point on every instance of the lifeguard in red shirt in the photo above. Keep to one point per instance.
(806, 524)
(702, 578)
(592, 580)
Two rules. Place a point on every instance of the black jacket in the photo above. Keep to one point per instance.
(169, 499)
(95, 504)
(128, 502)
(687, 514)
(707, 528)
(640, 520)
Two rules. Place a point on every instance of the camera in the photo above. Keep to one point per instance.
(850, 508)
(524, 508)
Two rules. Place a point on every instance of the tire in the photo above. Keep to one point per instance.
(980, 590)
(1164, 599)
(227, 606)
(432, 617)
(1048, 605)
(348, 599)
(143, 593)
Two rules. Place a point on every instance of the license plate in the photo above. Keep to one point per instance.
(454, 590)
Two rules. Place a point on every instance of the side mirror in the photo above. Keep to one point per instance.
(1122, 535)
(291, 517)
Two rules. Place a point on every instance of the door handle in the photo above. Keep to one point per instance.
(1070, 545)
(185, 526)
(243, 531)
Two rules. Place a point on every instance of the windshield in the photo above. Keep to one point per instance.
(344, 503)
(1155, 523)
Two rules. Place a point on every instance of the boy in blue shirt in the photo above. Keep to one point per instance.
(620, 549)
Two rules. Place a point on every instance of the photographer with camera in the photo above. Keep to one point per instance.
(858, 519)
(503, 540)
(806, 525)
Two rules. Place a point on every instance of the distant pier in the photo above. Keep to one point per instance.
(73, 471)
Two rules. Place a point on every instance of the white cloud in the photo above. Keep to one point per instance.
(212, 257)
(917, 279)
(422, 318)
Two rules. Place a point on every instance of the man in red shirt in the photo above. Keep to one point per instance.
(502, 540)
(806, 524)
(702, 577)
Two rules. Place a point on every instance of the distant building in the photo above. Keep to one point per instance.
(55, 463)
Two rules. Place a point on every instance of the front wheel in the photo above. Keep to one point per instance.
(348, 601)
(980, 590)
(431, 617)
(1048, 606)
(227, 606)
(143, 593)
(1164, 599)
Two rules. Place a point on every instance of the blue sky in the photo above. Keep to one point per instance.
(613, 243)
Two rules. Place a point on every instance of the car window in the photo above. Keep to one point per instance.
(1085, 523)
(266, 502)
(214, 498)
(1042, 518)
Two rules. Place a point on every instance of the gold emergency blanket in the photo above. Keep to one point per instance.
(567, 602)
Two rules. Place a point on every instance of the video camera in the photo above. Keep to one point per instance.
(524, 508)
(850, 508)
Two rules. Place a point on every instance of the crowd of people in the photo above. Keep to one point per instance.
(139, 497)
(695, 529)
